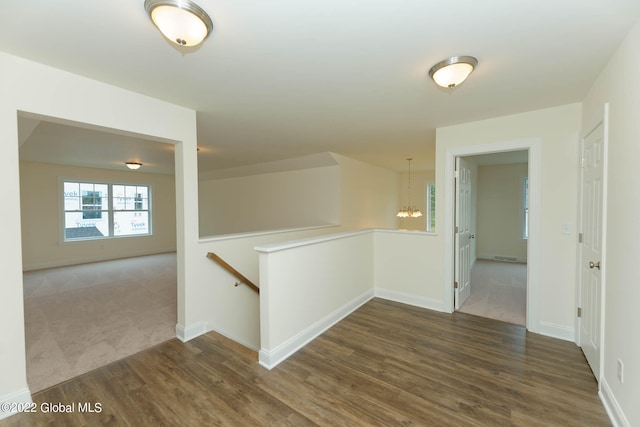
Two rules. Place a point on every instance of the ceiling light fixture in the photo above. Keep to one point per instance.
(409, 211)
(452, 71)
(133, 165)
(180, 21)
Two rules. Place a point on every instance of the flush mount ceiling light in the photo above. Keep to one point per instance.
(180, 21)
(133, 165)
(452, 71)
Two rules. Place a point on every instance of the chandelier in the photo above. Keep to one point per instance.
(409, 211)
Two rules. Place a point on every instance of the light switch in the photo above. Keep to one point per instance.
(566, 228)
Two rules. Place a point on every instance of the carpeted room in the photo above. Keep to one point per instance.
(82, 317)
(90, 302)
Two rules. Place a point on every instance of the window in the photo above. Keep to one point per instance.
(102, 210)
(525, 207)
(431, 207)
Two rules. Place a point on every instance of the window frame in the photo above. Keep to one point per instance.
(430, 208)
(524, 207)
(110, 211)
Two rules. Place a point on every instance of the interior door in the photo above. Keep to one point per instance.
(592, 246)
(463, 232)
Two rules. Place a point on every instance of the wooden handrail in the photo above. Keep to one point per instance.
(222, 263)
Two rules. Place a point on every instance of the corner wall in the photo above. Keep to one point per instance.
(619, 84)
(558, 129)
(36, 89)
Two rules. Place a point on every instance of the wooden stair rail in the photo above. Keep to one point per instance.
(222, 263)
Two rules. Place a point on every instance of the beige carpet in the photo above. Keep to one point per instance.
(81, 317)
(498, 291)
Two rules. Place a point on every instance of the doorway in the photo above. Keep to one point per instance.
(532, 147)
(90, 299)
(495, 262)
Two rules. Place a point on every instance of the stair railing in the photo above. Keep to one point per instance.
(242, 279)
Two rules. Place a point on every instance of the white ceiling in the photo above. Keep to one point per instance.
(287, 78)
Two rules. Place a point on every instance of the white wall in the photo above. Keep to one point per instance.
(316, 190)
(368, 195)
(558, 130)
(499, 211)
(36, 89)
(42, 246)
(619, 84)
(309, 285)
(405, 269)
(307, 288)
(222, 307)
(270, 201)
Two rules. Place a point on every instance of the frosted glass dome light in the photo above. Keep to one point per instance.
(452, 71)
(180, 21)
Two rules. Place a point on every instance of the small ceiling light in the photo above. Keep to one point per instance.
(409, 211)
(133, 165)
(452, 71)
(181, 21)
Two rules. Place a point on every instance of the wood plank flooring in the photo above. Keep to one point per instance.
(386, 364)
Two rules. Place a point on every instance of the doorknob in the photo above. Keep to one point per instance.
(594, 264)
(472, 236)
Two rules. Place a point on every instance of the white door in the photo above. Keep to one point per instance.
(463, 232)
(591, 266)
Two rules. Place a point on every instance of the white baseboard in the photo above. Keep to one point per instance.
(201, 328)
(271, 359)
(20, 397)
(409, 299)
(507, 258)
(233, 337)
(557, 331)
(190, 332)
(616, 415)
(89, 260)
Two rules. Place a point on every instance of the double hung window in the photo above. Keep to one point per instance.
(102, 210)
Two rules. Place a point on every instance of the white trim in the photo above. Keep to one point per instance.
(62, 240)
(533, 145)
(604, 119)
(188, 333)
(231, 337)
(404, 298)
(492, 257)
(611, 405)
(403, 231)
(201, 328)
(76, 261)
(20, 397)
(603, 271)
(261, 233)
(554, 330)
(523, 179)
(275, 247)
(271, 359)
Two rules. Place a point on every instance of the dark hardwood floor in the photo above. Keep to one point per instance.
(386, 364)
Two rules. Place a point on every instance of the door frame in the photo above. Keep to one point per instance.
(533, 146)
(601, 118)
